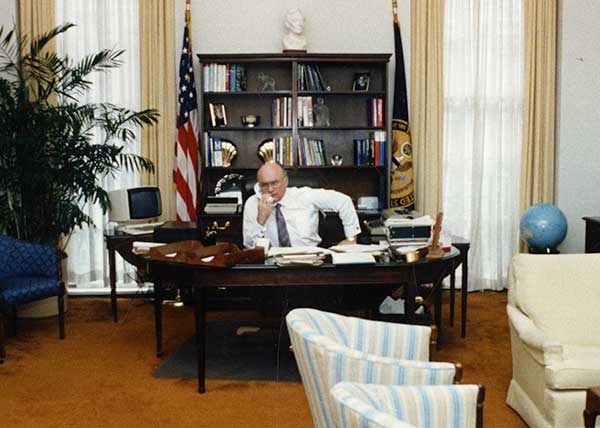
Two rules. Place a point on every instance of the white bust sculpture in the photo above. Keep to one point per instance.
(294, 38)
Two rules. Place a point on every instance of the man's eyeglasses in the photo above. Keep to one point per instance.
(271, 184)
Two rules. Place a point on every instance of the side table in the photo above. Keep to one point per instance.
(592, 407)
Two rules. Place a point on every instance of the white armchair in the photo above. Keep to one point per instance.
(331, 348)
(390, 406)
(554, 319)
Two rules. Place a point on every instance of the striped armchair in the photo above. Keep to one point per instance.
(331, 348)
(389, 406)
(28, 272)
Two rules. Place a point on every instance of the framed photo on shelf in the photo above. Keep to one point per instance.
(361, 81)
(218, 116)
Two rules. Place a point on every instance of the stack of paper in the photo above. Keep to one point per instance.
(351, 258)
(405, 221)
(298, 256)
(140, 247)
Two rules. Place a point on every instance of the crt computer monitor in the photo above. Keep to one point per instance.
(134, 204)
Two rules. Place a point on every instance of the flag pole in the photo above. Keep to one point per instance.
(188, 20)
(395, 11)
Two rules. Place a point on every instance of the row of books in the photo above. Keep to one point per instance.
(375, 112)
(282, 151)
(305, 111)
(281, 112)
(224, 77)
(370, 151)
(311, 152)
(213, 151)
(310, 78)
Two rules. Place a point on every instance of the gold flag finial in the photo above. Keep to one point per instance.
(188, 20)
(395, 11)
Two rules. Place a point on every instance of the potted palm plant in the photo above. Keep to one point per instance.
(50, 166)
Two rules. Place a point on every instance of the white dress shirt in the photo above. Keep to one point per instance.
(300, 207)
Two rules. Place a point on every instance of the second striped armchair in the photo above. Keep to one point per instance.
(331, 348)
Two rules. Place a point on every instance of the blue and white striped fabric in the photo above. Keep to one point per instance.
(331, 348)
(359, 405)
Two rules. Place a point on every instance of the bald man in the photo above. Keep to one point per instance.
(290, 216)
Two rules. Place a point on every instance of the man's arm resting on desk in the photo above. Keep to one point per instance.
(331, 200)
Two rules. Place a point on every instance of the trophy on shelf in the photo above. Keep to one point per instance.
(229, 152)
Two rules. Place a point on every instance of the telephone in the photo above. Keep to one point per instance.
(376, 227)
(258, 193)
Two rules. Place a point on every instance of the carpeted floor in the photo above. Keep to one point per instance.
(101, 375)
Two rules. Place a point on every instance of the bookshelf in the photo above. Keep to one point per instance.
(253, 84)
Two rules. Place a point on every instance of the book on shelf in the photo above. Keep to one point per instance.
(311, 152)
(370, 151)
(305, 112)
(375, 112)
(223, 77)
(309, 78)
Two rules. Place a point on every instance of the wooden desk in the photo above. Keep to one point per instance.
(463, 260)
(122, 244)
(199, 278)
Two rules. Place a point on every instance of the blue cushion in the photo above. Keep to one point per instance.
(20, 258)
(25, 289)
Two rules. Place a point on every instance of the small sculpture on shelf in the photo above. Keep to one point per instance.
(250, 120)
(336, 160)
(294, 39)
(267, 82)
(321, 113)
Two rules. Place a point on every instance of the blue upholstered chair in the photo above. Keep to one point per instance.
(389, 406)
(331, 348)
(28, 272)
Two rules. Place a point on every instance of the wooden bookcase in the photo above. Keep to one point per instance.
(349, 120)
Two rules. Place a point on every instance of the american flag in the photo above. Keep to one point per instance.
(185, 174)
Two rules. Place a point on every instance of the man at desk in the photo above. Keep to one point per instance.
(290, 216)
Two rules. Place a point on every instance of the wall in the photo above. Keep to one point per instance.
(332, 26)
(578, 117)
(8, 10)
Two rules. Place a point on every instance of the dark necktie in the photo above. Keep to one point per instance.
(282, 232)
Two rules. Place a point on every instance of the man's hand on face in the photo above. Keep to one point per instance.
(265, 206)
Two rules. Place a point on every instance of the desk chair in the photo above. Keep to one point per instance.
(28, 272)
(389, 406)
(331, 348)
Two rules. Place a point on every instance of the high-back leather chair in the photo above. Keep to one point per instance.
(331, 348)
(28, 272)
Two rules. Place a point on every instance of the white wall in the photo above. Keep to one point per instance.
(578, 117)
(332, 26)
(8, 10)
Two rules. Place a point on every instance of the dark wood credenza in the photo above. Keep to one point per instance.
(592, 234)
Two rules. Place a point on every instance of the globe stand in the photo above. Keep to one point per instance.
(552, 250)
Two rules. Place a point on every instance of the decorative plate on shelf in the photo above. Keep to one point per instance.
(230, 183)
(229, 151)
(266, 150)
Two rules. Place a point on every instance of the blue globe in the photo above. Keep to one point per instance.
(543, 226)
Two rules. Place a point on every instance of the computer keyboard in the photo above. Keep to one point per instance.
(140, 229)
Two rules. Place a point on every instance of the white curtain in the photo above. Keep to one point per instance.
(483, 91)
(100, 25)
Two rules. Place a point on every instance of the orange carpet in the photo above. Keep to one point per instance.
(101, 374)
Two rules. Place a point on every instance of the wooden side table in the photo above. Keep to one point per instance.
(592, 234)
(592, 407)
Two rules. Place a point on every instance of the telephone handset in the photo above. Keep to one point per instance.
(258, 192)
